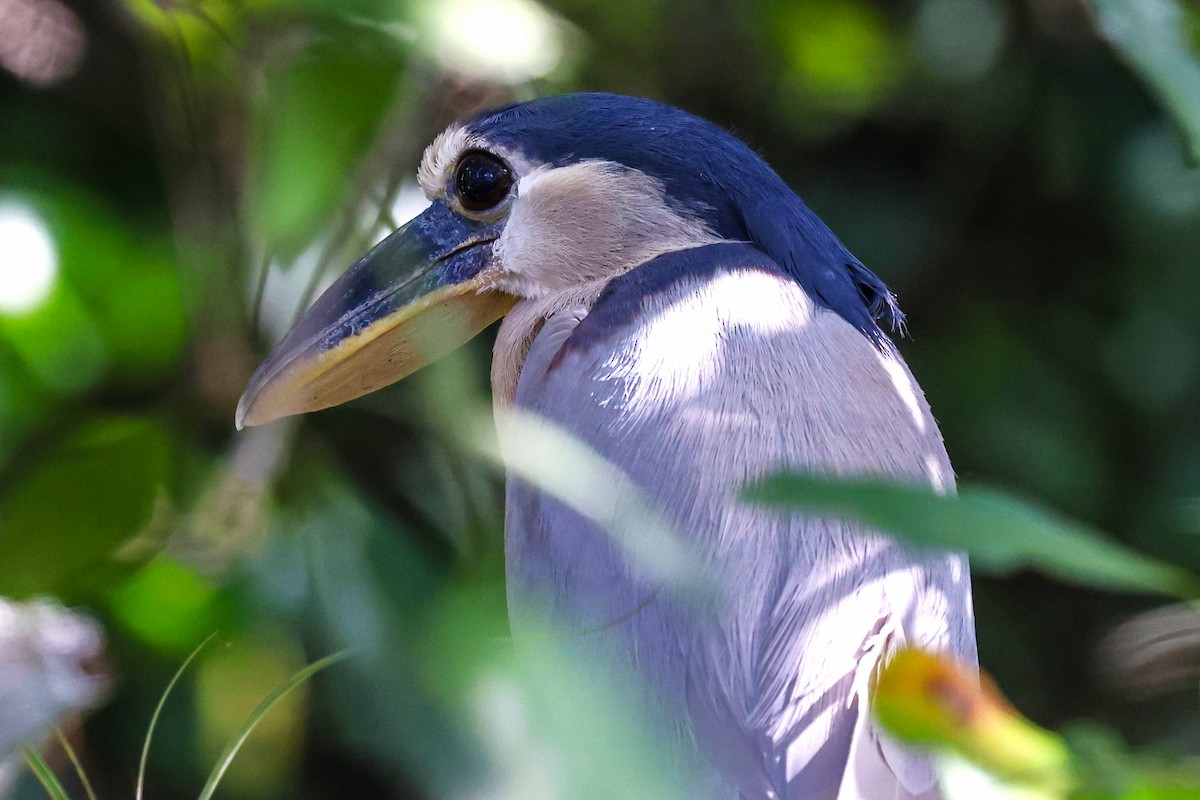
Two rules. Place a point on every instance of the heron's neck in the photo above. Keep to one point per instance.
(522, 325)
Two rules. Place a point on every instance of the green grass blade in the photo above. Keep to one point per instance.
(256, 716)
(44, 774)
(70, 751)
(162, 701)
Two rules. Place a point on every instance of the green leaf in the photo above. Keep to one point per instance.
(1154, 36)
(318, 119)
(45, 775)
(166, 605)
(1102, 761)
(1000, 533)
(929, 699)
(64, 517)
(138, 791)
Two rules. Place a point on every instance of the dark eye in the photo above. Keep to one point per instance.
(482, 181)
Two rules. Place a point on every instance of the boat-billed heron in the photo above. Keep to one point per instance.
(669, 301)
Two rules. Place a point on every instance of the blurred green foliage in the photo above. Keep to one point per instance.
(926, 699)
(1158, 38)
(320, 113)
(181, 186)
(101, 487)
(999, 532)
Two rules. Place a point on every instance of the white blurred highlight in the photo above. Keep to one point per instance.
(45, 655)
(962, 780)
(495, 40)
(529, 768)
(288, 281)
(550, 458)
(683, 343)
(28, 259)
(41, 41)
(936, 474)
(1154, 653)
(409, 203)
(906, 390)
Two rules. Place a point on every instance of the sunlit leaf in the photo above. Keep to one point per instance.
(201, 32)
(1001, 533)
(24, 404)
(59, 342)
(842, 53)
(1155, 38)
(363, 13)
(1105, 766)
(928, 699)
(113, 308)
(64, 516)
(129, 282)
(165, 605)
(318, 117)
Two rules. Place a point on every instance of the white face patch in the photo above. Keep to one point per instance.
(587, 221)
(570, 225)
(569, 231)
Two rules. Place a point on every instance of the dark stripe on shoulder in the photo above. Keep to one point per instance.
(621, 303)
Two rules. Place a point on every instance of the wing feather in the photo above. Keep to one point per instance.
(695, 373)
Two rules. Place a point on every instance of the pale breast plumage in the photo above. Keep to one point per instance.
(698, 371)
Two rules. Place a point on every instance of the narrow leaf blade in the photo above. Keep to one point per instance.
(44, 774)
(162, 701)
(999, 532)
(256, 716)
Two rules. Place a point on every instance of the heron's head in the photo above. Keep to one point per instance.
(539, 198)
